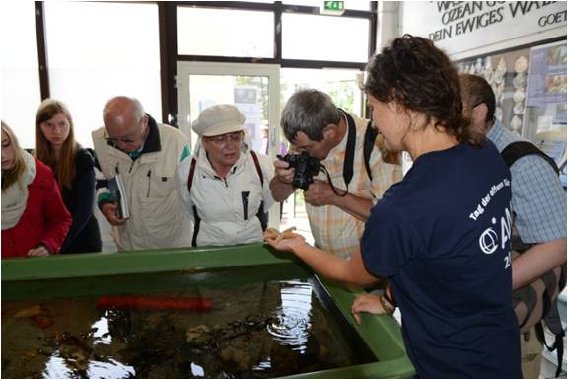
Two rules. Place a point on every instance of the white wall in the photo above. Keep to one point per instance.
(470, 28)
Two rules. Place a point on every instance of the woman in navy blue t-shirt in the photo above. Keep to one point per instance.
(442, 235)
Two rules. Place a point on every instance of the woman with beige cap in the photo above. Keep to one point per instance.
(224, 184)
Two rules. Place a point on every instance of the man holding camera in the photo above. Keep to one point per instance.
(338, 204)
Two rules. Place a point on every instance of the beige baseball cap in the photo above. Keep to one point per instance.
(218, 120)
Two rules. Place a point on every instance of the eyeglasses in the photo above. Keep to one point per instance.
(114, 140)
(235, 137)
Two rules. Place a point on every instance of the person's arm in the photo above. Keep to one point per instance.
(538, 260)
(320, 193)
(281, 184)
(539, 203)
(107, 206)
(57, 218)
(351, 271)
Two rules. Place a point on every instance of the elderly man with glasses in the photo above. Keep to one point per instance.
(142, 157)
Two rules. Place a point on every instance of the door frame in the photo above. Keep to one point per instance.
(185, 69)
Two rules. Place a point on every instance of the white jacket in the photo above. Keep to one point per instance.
(220, 203)
(157, 219)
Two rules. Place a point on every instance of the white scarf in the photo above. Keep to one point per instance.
(15, 198)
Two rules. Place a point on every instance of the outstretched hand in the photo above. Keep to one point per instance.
(285, 240)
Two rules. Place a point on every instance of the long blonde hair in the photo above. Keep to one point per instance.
(64, 169)
(13, 175)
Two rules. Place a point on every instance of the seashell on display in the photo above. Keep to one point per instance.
(519, 108)
(499, 113)
(498, 76)
(499, 92)
(519, 96)
(488, 74)
(520, 81)
(521, 64)
(502, 65)
(479, 66)
(516, 123)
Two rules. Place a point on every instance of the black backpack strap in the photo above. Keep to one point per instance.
(196, 224)
(350, 150)
(257, 167)
(261, 215)
(197, 219)
(368, 145)
(190, 175)
(518, 149)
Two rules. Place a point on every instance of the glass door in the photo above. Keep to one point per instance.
(253, 88)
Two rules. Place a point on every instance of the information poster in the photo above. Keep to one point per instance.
(547, 84)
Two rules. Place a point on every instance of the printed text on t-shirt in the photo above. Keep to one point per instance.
(487, 198)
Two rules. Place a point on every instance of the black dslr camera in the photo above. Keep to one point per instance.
(306, 168)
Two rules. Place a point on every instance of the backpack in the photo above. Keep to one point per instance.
(261, 215)
(537, 302)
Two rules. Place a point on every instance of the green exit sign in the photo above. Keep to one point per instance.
(333, 7)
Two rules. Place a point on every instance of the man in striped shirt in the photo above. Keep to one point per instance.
(337, 211)
(538, 202)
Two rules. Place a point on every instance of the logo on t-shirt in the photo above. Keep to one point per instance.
(499, 232)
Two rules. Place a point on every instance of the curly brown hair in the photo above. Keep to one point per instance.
(416, 74)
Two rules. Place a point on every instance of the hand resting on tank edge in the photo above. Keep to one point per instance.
(285, 240)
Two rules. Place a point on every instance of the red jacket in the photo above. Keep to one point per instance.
(45, 219)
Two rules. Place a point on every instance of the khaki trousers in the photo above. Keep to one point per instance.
(531, 354)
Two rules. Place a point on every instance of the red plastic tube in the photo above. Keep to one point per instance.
(156, 303)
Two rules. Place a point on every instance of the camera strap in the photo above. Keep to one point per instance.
(350, 150)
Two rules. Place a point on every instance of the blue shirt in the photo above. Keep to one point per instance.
(539, 201)
(442, 237)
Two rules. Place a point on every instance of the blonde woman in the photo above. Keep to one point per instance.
(34, 218)
(73, 167)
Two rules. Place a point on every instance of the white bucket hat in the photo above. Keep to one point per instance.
(218, 120)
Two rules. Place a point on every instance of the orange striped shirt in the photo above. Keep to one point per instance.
(335, 230)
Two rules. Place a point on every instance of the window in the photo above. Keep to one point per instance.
(330, 38)
(349, 4)
(20, 80)
(97, 51)
(342, 85)
(224, 32)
